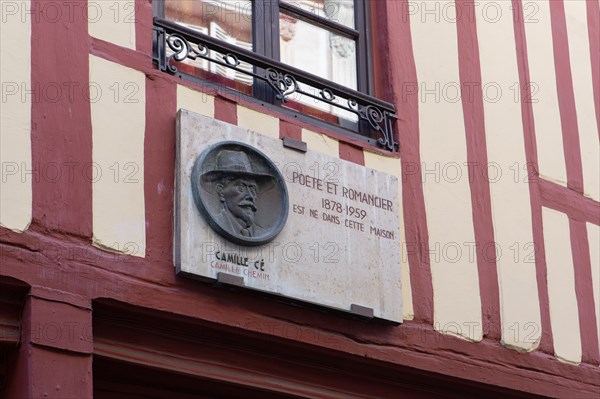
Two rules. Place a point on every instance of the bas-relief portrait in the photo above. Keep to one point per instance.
(240, 193)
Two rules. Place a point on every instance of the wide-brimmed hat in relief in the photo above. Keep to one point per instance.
(230, 163)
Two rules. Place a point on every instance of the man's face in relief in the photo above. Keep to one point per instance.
(239, 197)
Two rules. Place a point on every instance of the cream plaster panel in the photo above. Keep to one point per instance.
(393, 167)
(593, 232)
(457, 301)
(258, 122)
(119, 218)
(15, 120)
(581, 67)
(320, 142)
(544, 98)
(112, 21)
(564, 313)
(511, 207)
(195, 101)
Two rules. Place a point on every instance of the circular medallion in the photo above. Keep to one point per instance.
(240, 193)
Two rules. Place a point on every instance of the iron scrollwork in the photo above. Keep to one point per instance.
(379, 121)
(174, 43)
(283, 84)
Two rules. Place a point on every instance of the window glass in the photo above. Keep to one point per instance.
(227, 20)
(318, 51)
(340, 11)
(322, 53)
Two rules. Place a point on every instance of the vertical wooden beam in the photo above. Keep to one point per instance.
(55, 357)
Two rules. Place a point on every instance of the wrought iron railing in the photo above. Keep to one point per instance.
(174, 42)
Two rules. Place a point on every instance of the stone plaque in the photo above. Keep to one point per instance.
(249, 211)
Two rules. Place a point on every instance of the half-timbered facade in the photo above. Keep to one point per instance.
(491, 120)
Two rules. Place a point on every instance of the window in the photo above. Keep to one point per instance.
(309, 57)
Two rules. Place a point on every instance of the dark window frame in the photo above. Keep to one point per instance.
(375, 116)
